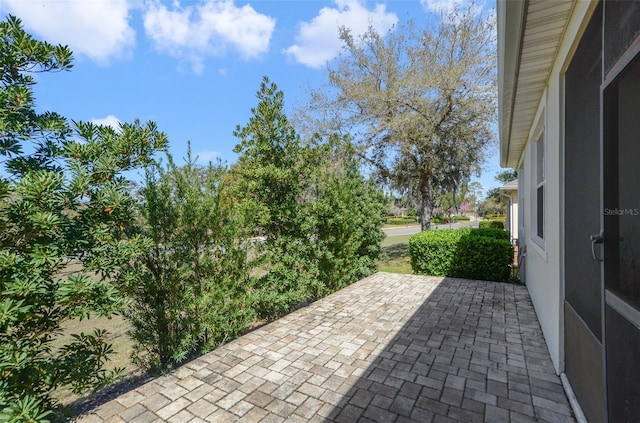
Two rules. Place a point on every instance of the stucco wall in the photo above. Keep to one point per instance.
(544, 276)
(513, 218)
(543, 257)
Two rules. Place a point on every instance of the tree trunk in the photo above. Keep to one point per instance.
(455, 203)
(425, 205)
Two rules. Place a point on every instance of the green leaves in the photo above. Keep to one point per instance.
(187, 266)
(28, 409)
(83, 295)
(320, 219)
(81, 362)
(349, 214)
(23, 53)
(188, 289)
(483, 254)
(10, 311)
(65, 206)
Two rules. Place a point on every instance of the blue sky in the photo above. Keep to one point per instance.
(192, 66)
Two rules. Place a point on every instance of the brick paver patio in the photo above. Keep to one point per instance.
(389, 348)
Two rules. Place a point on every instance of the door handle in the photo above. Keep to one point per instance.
(596, 239)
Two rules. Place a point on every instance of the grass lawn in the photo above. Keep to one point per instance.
(122, 345)
(395, 240)
(397, 260)
(117, 327)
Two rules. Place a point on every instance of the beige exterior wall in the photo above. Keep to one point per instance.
(513, 214)
(544, 276)
(543, 256)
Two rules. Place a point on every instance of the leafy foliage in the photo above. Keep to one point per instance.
(433, 252)
(320, 220)
(492, 232)
(182, 259)
(63, 200)
(483, 258)
(418, 103)
(187, 290)
(348, 215)
(506, 176)
(496, 224)
(272, 175)
(482, 254)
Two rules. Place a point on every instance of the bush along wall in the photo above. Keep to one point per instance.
(496, 224)
(497, 233)
(483, 254)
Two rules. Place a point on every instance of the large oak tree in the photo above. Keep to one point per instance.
(420, 104)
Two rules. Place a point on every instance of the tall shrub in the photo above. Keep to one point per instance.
(349, 214)
(433, 252)
(188, 289)
(63, 201)
(272, 176)
(320, 220)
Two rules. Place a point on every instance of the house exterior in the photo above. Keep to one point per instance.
(569, 98)
(510, 191)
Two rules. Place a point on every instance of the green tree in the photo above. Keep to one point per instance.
(272, 174)
(506, 176)
(320, 220)
(188, 288)
(495, 202)
(349, 213)
(63, 201)
(420, 104)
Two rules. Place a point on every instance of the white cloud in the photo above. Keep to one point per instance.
(193, 33)
(110, 120)
(99, 30)
(318, 41)
(207, 156)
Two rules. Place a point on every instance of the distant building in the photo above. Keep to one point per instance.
(510, 191)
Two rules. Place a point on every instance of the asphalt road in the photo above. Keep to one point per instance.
(414, 229)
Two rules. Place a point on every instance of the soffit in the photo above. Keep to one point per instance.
(531, 37)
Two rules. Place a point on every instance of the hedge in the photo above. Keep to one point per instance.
(432, 252)
(400, 220)
(497, 224)
(439, 219)
(497, 233)
(459, 218)
(482, 254)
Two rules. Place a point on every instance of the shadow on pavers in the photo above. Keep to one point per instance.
(473, 352)
(396, 250)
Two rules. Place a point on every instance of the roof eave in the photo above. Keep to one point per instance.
(511, 23)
